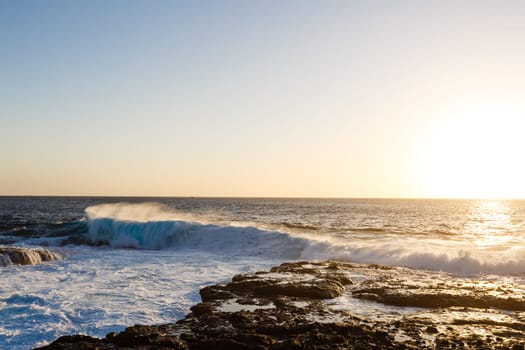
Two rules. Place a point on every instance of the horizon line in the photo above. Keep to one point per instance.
(250, 197)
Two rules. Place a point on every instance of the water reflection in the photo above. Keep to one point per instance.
(489, 224)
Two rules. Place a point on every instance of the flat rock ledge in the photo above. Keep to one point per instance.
(26, 256)
(333, 305)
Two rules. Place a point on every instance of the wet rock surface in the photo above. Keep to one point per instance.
(333, 305)
(26, 256)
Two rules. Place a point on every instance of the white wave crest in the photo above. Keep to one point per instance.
(138, 212)
(153, 226)
(454, 258)
(129, 226)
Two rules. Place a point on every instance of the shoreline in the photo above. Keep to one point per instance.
(335, 305)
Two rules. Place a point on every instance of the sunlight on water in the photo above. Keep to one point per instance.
(183, 244)
(490, 225)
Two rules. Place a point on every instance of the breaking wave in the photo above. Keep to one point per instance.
(155, 226)
(158, 227)
(424, 256)
(247, 241)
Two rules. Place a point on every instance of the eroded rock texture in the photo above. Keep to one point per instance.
(26, 256)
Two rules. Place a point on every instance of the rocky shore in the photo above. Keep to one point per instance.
(26, 256)
(333, 305)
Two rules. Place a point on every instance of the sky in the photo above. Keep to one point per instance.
(262, 98)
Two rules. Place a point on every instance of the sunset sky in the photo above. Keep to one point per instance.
(263, 98)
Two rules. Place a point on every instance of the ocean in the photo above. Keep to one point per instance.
(126, 261)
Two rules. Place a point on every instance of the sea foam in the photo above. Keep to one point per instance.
(164, 229)
(153, 226)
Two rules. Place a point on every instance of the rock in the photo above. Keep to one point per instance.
(439, 299)
(431, 330)
(76, 342)
(289, 279)
(292, 307)
(26, 256)
(327, 290)
(145, 335)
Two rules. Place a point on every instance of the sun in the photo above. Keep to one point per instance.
(477, 152)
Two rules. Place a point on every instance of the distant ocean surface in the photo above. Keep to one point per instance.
(129, 261)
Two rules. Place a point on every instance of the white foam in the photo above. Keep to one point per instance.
(154, 226)
(454, 257)
(95, 291)
(151, 226)
(137, 212)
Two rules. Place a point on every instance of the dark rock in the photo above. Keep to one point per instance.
(76, 342)
(289, 308)
(144, 335)
(327, 290)
(431, 330)
(395, 297)
(216, 292)
(201, 308)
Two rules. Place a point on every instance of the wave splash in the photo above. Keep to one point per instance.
(452, 259)
(154, 226)
(158, 227)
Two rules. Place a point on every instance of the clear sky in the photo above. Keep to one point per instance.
(262, 98)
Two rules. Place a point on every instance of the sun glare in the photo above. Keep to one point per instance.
(475, 153)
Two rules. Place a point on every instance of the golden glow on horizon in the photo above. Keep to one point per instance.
(355, 99)
(474, 153)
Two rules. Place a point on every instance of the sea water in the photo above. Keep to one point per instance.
(129, 261)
